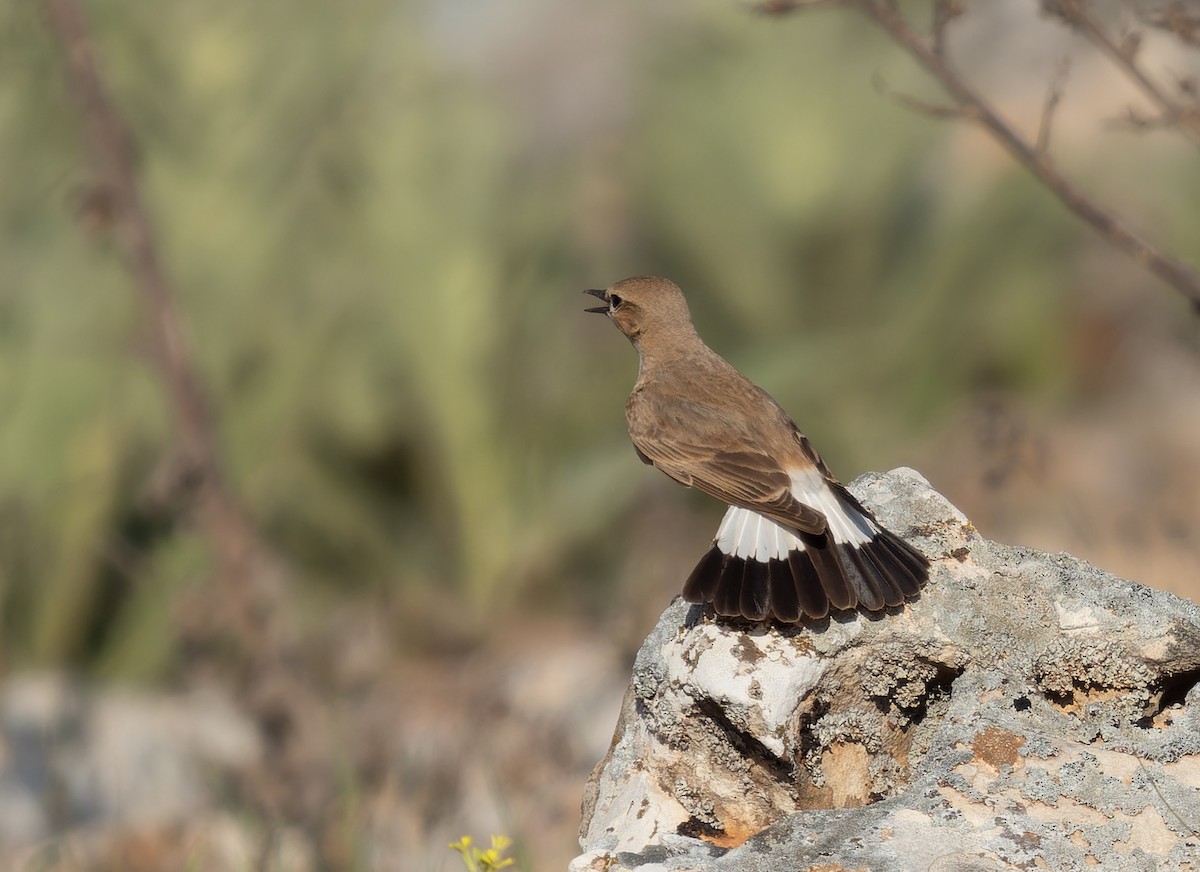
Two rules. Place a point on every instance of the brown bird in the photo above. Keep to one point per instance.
(794, 542)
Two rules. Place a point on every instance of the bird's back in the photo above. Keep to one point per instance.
(702, 397)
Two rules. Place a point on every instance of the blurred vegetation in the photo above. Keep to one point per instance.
(380, 216)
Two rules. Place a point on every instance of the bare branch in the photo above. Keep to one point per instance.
(114, 205)
(940, 111)
(786, 7)
(1053, 96)
(1124, 55)
(245, 617)
(1177, 274)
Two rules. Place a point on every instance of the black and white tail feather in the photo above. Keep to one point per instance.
(758, 568)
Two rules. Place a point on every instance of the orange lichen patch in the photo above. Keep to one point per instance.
(997, 747)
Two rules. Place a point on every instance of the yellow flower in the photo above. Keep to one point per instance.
(477, 860)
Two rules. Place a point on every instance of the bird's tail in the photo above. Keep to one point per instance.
(757, 568)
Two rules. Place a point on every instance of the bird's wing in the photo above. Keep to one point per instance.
(710, 451)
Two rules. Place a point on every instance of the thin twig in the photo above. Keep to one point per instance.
(940, 111)
(1174, 272)
(1053, 96)
(785, 7)
(1125, 57)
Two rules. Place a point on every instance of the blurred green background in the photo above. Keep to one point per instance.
(380, 216)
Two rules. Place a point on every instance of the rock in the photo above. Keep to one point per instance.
(114, 772)
(1026, 711)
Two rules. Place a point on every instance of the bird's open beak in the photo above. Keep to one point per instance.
(603, 295)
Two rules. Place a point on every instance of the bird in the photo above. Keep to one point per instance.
(794, 544)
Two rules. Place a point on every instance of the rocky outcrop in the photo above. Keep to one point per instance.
(1027, 711)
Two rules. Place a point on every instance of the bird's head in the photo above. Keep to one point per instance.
(644, 306)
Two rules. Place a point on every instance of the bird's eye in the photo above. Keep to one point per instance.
(615, 301)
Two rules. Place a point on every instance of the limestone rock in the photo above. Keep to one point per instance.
(1026, 711)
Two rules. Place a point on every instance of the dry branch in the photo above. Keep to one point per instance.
(1034, 155)
(1172, 271)
(1124, 55)
(783, 7)
(232, 538)
(247, 608)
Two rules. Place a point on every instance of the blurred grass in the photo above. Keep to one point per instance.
(379, 216)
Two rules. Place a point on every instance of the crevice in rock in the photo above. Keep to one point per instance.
(698, 829)
(1175, 688)
(1172, 694)
(1082, 676)
(1146, 703)
(937, 689)
(745, 744)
